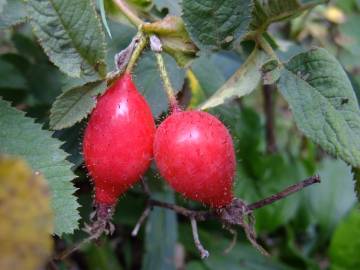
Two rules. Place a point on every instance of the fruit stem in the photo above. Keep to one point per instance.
(76, 247)
(237, 213)
(203, 252)
(104, 213)
(141, 44)
(129, 13)
(166, 81)
(198, 215)
(266, 47)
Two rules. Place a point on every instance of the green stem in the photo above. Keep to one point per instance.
(262, 42)
(166, 81)
(137, 52)
(129, 13)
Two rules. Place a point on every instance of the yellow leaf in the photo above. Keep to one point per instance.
(26, 219)
(335, 15)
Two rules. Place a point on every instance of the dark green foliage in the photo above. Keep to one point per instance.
(54, 61)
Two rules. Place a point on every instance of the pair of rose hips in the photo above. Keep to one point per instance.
(193, 150)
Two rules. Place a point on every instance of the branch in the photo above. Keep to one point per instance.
(204, 215)
(101, 223)
(74, 248)
(286, 192)
(145, 186)
(237, 208)
(197, 215)
(268, 93)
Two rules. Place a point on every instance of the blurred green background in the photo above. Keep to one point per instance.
(317, 228)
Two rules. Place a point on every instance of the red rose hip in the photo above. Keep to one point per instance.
(194, 152)
(118, 141)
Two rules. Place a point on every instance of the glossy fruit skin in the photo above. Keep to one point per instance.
(118, 140)
(194, 153)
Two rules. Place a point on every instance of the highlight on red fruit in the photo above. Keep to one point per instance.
(118, 140)
(194, 153)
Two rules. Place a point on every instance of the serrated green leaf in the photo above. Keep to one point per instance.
(323, 102)
(269, 11)
(345, 244)
(71, 35)
(243, 82)
(147, 80)
(214, 24)
(75, 104)
(22, 137)
(12, 13)
(160, 250)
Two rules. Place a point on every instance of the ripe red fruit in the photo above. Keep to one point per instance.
(118, 141)
(194, 152)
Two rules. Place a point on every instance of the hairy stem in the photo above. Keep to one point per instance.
(166, 80)
(139, 47)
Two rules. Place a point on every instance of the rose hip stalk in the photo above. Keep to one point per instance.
(117, 145)
(194, 153)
